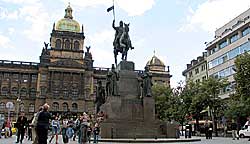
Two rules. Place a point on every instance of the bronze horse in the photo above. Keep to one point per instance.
(124, 44)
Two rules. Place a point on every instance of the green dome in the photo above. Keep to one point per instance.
(67, 23)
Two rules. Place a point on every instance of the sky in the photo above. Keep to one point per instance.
(175, 29)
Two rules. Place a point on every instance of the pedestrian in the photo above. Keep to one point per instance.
(43, 124)
(30, 129)
(206, 128)
(89, 131)
(55, 129)
(7, 128)
(82, 135)
(210, 131)
(34, 126)
(96, 132)
(64, 130)
(76, 127)
(234, 130)
(21, 126)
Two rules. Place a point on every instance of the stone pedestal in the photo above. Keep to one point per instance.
(129, 115)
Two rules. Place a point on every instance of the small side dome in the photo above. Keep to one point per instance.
(156, 64)
(67, 23)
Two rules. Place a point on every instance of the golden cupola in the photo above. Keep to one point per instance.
(67, 23)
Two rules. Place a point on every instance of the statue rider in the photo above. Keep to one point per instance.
(118, 33)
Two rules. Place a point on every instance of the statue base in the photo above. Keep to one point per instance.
(129, 115)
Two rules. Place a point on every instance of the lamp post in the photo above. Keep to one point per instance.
(18, 100)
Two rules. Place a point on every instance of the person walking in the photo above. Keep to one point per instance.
(206, 128)
(21, 125)
(82, 135)
(64, 130)
(34, 126)
(234, 130)
(43, 125)
(30, 129)
(55, 129)
(210, 131)
(76, 128)
(96, 132)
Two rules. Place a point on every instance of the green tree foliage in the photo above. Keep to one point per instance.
(163, 97)
(239, 103)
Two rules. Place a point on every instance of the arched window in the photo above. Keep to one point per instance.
(21, 107)
(43, 91)
(32, 92)
(58, 44)
(14, 91)
(55, 106)
(32, 108)
(76, 45)
(23, 92)
(65, 107)
(74, 107)
(67, 44)
(5, 91)
(2, 106)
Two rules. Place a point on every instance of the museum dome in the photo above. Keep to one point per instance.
(67, 23)
(155, 64)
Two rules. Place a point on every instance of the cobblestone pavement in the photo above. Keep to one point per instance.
(216, 140)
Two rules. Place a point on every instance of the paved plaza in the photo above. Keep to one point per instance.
(217, 140)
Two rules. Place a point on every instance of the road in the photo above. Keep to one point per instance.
(216, 140)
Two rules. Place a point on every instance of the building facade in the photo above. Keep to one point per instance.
(196, 71)
(64, 78)
(159, 74)
(231, 40)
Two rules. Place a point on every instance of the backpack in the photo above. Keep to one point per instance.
(69, 132)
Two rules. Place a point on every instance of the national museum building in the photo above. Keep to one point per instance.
(65, 77)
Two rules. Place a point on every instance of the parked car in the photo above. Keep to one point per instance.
(245, 132)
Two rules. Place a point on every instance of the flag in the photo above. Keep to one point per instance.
(110, 8)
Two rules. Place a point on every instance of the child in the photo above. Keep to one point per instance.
(96, 132)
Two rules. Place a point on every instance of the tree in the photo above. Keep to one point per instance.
(211, 89)
(242, 78)
(163, 96)
(239, 103)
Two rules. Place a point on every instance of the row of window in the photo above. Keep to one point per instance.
(229, 88)
(229, 55)
(21, 107)
(16, 77)
(231, 40)
(67, 45)
(197, 70)
(225, 72)
(14, 91)
(65, 107)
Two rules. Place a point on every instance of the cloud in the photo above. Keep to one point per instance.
(136, 7)
(132, 7)
(99, 42)
(36, 15)
(9, 15)
(5, 42)
(11, 30)
(213, 14)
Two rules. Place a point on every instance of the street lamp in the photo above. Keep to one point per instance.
(18, 100)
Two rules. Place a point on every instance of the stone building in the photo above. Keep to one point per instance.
(196, 70)
(159, 74)
(64, 78)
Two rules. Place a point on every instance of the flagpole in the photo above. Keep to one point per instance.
(114, 9)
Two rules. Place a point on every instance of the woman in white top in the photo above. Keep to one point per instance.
(55, 129)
